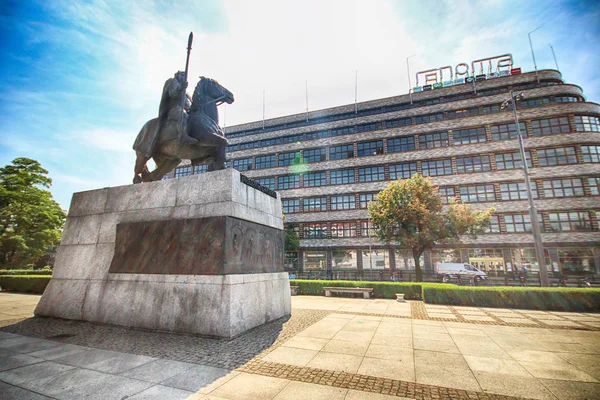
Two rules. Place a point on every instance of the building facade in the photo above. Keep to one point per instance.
(327, 165)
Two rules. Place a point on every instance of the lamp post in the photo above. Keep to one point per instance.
(370, 249)
(533, 215)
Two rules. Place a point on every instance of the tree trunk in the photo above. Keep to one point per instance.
(419, 273)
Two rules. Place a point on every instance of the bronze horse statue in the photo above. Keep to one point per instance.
(201, 123)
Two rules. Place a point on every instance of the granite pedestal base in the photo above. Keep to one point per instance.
(240, 286)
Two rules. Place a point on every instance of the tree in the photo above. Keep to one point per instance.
(410, 213)
(292, 242)
(30, 219)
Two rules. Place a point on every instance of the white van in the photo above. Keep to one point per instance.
(449, 271)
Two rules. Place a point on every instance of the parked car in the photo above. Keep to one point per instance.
(450, 271)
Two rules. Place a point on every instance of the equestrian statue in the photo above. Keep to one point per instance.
(186, 128)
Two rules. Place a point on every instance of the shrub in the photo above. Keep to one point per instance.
(382, 290)
(25, 272)
(551, 299)
(24, 283)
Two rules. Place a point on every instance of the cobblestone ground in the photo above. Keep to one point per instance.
(417, 351)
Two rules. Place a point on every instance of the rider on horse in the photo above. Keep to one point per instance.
(170, 111)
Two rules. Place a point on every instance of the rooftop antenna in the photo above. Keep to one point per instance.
(533, 55)
(355, 91)
(408, 72)
(263, 120)
(554, 55)
(306, 87)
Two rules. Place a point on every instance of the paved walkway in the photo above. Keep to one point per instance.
(331, 348)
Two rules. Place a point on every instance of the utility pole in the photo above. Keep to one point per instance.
(533, 214)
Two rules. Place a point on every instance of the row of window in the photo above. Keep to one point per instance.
(441, 167)
(540, 127)
(550, 188)
(390, 108)
(568, 221)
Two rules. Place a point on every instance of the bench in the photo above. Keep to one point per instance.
(366, 292)
(294, 290)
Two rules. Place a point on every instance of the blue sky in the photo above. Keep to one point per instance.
(78, 79)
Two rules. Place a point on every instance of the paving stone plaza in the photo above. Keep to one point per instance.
(330, 348)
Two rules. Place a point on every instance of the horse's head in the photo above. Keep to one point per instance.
(208, 90)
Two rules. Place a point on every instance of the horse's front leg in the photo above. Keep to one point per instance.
(219, 157)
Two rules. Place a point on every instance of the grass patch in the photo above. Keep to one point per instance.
(550, 299)
(24, 283)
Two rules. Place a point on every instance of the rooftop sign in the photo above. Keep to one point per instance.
(485, 68)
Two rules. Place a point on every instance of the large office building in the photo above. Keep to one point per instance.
(327, 165)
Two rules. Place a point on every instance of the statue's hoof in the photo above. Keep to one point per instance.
(137, 179)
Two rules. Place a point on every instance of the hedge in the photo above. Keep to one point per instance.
(24, 283)
(550, 299)
(44, 272)
(382, 290)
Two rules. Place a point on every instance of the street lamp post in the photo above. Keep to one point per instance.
(370, 247)
(533, 214)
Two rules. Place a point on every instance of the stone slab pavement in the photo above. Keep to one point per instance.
(331, 348)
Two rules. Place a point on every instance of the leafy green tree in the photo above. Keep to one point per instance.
(410, 213)
(30, 219)
(292, 241)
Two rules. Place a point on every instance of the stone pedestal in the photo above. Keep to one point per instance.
(201, 254)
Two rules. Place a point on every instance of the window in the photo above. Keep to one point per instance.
(288, 182)
(342, 131)
(570, 221)
(436, 167)
(343, 202)
(490, 109)
(267, 182)
(423, 119)
(314, 155)
(371, 174)
(463, 113)
(473, 164)
(343, 229)
(315, 231)
(494, 224)
(341, 152)
(183, 171)
(366, 127)
(550, 126)
(594, 186)
(433, 140)
(590, 153)
(265, 161)
(517, 223)
(587, 123)
(566, 99)
(365, 231)
(563, 187)
(314, 179)
(290, 206)
(317, 135)
(243, 164)
(402, 171)
(370, 148)
(468, 136)
(286, 159)
(511, 160)
(343, 259)
(398, 122)
(313, 204)
(478, 193)
(558, 156)
(201, 169)
(507, 131)
(342, 176)
(447, 194)
(534, 102)
(516, 191)
(291, 139)
(397, 145)
(365, 199)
